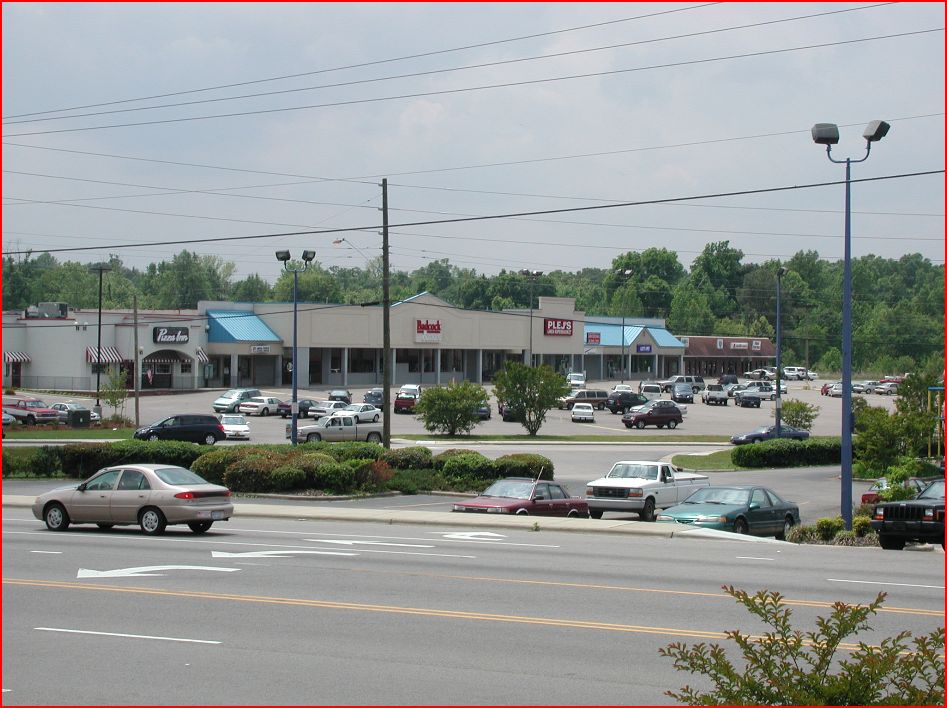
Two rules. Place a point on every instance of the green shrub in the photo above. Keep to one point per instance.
(84, 460)
(826, 528)
(802, 534)
(861, 525)
(511, 468)
(469, 466)
(379, 474)
(336, 478)
(212, 465)
(861, 471)
(251, 473)
(437, 462)
(18, 463)
(355, 450)
(287, 477)
(409, 458)
(414, 481)
(47, 461)
(310, 462)
(537, 466)
(789, 453)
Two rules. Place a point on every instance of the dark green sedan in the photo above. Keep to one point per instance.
(751, 510)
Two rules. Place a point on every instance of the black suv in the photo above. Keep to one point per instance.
(621, 401)
(375, 396)
(921, 519)
(204, 429)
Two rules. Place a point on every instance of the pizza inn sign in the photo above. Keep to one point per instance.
(169, 335)
(558, 328)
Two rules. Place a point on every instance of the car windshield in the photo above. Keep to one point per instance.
(179, 476)
(35, 404)
(232, 393)
(934, 491)
(510, 489)
(233, 420)
(719, 495)
(633, 471)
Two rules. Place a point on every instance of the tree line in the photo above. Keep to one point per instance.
(898, 304)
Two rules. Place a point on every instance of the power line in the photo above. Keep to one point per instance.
(468, 89)
(375, 227)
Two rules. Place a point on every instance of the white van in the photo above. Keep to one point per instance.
(576, 380)
(650, 391)
(410, 389)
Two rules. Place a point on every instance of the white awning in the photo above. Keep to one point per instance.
(202, 356)
(14, 357)
(110, 355)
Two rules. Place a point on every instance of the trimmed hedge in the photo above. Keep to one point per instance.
(789, 453)
(409, 458)
(468, 466)
(524, 464)
(85, 460)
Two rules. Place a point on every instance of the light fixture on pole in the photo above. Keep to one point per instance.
(779, 350)
(623, 273)
(827, 134)
(283, 257)
(100, 268)
(532, 275)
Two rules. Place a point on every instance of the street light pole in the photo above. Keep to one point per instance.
(307, 257)
(100, 268)
(779, 350)
(827, 134)
(532, 275)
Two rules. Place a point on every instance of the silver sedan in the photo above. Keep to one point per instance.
(151, 496)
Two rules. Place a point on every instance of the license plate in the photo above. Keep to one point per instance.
(217, 515)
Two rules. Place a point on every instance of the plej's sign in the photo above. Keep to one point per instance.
(169, 335)
(259, 348)
(427, 331)
(558, 328)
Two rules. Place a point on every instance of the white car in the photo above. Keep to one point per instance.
(794, 373)
(64, 409)
(618, 388)
(889, 388)
(576, 380)
(583, 412)
(235, 426)
(259, 405)
(365, 412)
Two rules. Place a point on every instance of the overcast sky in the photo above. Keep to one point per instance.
(665, 101)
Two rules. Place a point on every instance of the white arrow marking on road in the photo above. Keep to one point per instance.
(473, 535)
(365, 543)
(275, 554)
(143, 571)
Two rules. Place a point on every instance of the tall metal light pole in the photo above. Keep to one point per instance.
(779, 350)
(532, 275)
(100, 268)
(827, 134)
(307, 257)
(623, 273)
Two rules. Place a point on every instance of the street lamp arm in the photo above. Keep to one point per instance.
(828, 152)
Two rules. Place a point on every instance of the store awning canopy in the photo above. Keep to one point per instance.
(202, 356)
(229, 326)
(110, 355)
(16, 357)
(166, 356)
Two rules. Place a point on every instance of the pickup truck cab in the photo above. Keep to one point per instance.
(715, 394)
(338, 427)
(642, 487)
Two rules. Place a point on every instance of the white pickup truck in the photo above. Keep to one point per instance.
(641, 487)
(334, 428)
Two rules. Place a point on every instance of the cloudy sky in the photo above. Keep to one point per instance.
(199, 124)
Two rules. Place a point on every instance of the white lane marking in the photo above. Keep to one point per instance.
(275, 554)
(472, 536)
(52, 553)
(754, 558)
(130, 636)
(143, 571)
(343, 542)
(876, 582)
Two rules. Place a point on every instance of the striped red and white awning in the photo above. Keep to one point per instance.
(165, 357)
(110, 355)
(16, 357)
(202, 356)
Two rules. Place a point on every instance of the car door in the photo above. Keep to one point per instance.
(349, 427)
(542, 503)
(665, 492)
(92, 503)
(132, 493)
(559, 501)
(761, 515)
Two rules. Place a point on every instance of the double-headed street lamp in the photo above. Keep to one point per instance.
(307, 257)
(623, 273)
(779, 350)
(827, 134)
(532, 275)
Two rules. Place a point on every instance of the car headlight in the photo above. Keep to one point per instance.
(713, 519)
(590, 491)
(459, 507)
(634, 493)
(665, 517)
(497, 510)
(928, 514)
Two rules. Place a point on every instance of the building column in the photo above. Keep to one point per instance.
(302, 365)
(234, 373)
(437, 367)
(394, 369)
(680, 364)
(345, 367)
(654, 371)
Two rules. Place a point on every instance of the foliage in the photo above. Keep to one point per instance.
(451, 409)
(83, 460)
(251, 472)
(789, 453)
(861, 525)
(406, 458)
(469, 466)
(440, 459)
(287, 477)
(524, 464)
(787, 666)
(827, 527)
(336, 478)
(530, 392)
(353, 450)
(799, 414)
(115, 393)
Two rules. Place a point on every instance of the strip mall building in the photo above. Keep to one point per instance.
(226, 344)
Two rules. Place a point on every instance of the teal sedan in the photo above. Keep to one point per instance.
(748, 510)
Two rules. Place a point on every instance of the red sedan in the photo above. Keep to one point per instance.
(524, 496)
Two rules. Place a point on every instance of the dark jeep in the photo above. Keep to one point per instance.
(920, 520)
(622, 401)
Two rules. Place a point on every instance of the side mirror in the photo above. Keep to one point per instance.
(81, 487)
(539, 497)
(754, 505)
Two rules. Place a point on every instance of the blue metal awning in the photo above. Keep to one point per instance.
(228, 326)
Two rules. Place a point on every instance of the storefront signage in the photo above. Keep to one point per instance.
(428, 331)
(558, 328)
(643, 348)
(739, 345)
(169, 335)
(259, 348)
(757, 345)
(593, 338)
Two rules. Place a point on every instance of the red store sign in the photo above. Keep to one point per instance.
(558, 328)
(428, 331)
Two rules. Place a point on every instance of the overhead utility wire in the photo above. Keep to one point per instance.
(488, 217)
(511, 84)
(372, 63)
(433, 72)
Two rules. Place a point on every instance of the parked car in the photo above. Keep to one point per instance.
(696, 383)
(64, 409)
(576, 380)
(583, 412)
(768, 432)
(596, 397)
(750, 510)
(728, 379)
(794, 373)
(642, 487)
(235, 426)
(824, 390)
(8, 420)
(189, 427)
(835, 390)
(483, 412)
(405, 402)
(660, 413)
(915, 484)
(29, 410)
(920, 519)
(364, 412)
(324, 408)
(150, 495)
(341, 426)
(757, 375)
(411, 388)
(618, 388)
(682, 393)
(524, 496)
(888, 388)
(864, 386)
(506, 415)
(260, 405)
(375, 396)
(650, 390)
(716, 394)
(735, 389)
(623, 401)
(229, 400)
(340, 395)
(285, 408)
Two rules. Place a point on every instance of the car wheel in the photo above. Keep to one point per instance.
(628, 425)
(890, 543)
(573, 514)
(647, 514)
(725, 401)
(375, 419)
(209, 439)
(595, 514)
(105, 527)
(772, 397)
(374, 437)
(152, 521)
(265, 412)
(695, 390)
(522, 512)
(56, 517)
(30, 420)
(739, 526)
(672, 424)
(200, 526)
(153, 437)
(313, 437)
(640, 425)
(282, 415)
(787, 525)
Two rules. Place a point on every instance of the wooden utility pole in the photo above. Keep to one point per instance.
(137, 374)
(386, 318)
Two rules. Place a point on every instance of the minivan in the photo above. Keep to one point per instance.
(594, 396)
(695, 382)
(231, 400)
